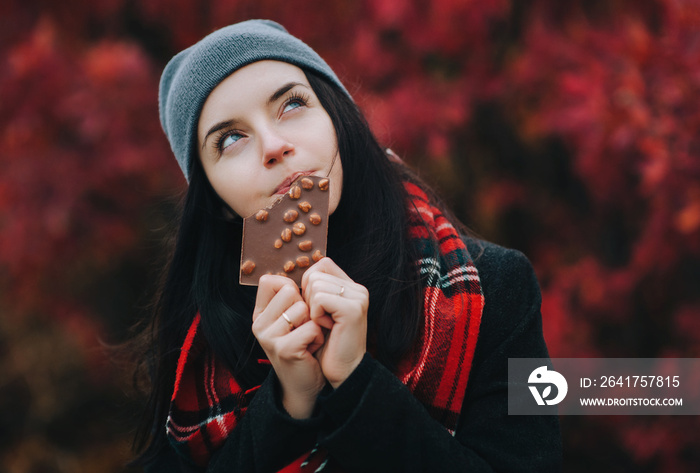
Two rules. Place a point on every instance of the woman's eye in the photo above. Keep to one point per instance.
(292, 105)
(230, 139)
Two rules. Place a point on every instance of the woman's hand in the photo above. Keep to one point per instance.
(340, 305)
(282, 325)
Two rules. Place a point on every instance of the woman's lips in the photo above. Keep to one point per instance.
(282, 190)
(287, 183)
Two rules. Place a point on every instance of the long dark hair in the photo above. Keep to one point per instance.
(367, 238)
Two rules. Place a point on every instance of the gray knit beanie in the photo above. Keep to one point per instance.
(192, 74)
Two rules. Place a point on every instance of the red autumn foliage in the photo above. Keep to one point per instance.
(569, 130)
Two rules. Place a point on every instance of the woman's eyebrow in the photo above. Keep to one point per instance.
(283, 90)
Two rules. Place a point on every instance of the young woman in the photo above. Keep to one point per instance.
(390, 356)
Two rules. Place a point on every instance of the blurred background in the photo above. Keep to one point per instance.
(569, 130)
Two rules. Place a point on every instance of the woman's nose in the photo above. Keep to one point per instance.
(275, 147)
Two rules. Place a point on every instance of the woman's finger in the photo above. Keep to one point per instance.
(323, 306)
(332, 284)
(269, 286)
(285, 298)
(290, 319)
(324, 265)
(300, 342)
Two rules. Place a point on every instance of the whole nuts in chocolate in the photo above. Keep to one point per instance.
(281, 239)
(298, 229)
(323, 184)
(295, 191)
(248, 267)
(307, 183)
(286, 235)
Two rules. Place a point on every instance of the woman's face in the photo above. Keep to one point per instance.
(260, 129)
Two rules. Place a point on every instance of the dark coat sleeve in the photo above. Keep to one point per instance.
(265, 440)
(373, 423)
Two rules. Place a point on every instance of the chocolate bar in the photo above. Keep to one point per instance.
(288, 237)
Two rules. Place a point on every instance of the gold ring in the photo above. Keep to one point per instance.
(286, 318)
(342, 290)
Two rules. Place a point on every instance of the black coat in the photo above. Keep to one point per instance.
(372, 423)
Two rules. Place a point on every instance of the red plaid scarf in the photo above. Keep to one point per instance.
(207, 402)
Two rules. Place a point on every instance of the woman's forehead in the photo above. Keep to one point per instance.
(251, 84)
(261, 75)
